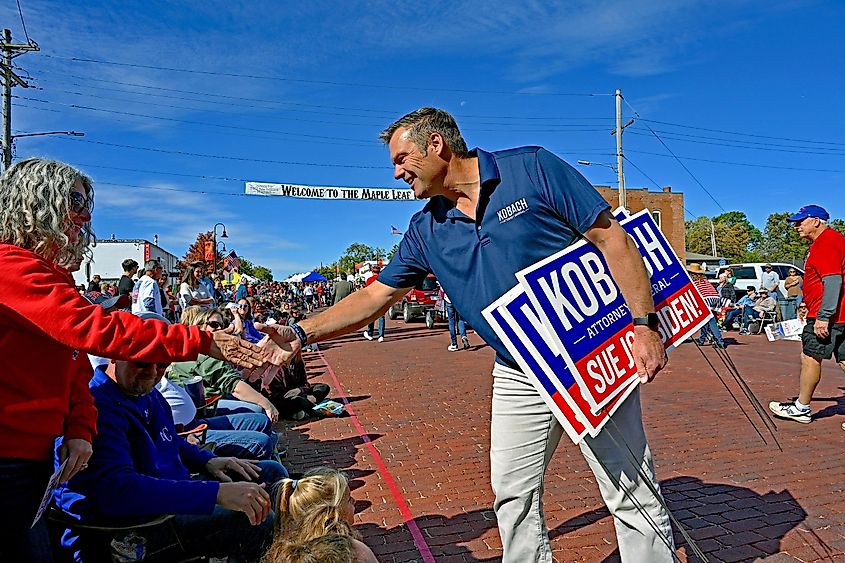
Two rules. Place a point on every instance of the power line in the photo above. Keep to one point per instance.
(231, 101)
(319, 82)
(23, 23)
(734, 163)
(223, 156)
(672, 136)
(684, 166)
(746, 142)
(191, 122)
(739, 133)
(658, 186)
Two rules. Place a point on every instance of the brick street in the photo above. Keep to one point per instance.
(427, 412)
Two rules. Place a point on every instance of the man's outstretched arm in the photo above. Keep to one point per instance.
(629, 272)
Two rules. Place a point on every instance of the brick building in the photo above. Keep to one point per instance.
(666, 206)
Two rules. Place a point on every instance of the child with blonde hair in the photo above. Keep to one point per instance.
(318, 504)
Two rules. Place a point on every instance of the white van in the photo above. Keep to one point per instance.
(750, 273)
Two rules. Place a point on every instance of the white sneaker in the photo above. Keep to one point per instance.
(381, 338)
(452, 348)
(787, 409)
(367, 335)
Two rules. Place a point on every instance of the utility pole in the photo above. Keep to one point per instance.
(623, 201)
(11, 51)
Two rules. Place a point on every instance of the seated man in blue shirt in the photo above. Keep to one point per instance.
(746, 301)
(141, 469)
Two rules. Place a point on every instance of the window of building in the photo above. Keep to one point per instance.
(656, 215)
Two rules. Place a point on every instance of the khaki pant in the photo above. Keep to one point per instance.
(523, 437)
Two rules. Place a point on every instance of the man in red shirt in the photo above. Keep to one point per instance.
(824, 334)
(368, 334)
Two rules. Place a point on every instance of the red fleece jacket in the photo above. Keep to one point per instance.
(46, 330)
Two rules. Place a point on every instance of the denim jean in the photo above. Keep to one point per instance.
(222, 533)
(371, 327)
(452, 315)
(789, 307)
(731, 316)
(712, 327)
(23, 482)
(523, 437)
(243, 435)
(232, 406)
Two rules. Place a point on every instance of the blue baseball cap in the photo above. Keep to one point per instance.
(810, 211)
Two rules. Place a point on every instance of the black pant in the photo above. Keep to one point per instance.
(288, 406)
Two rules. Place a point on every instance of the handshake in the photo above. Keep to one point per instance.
(263, 360)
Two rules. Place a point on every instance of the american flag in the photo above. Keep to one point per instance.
(394, 230)
(231, 261)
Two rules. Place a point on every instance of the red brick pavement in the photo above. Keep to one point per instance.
(427, 412)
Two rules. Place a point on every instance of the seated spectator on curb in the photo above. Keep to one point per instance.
(764, 304)
(332, 548)
(244, 323)
(142, 469)
(246, 435)
(317, 505)
(292, 394)
(219, 377)
(746, 301)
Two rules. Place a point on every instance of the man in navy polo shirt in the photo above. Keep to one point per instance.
(490, 215)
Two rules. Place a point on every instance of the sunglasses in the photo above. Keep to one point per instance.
(79, 202)
(215, 325)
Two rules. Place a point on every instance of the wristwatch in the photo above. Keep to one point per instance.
(300, 334)
(650, 320)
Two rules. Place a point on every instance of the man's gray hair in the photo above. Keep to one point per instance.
(35, 209)
(419, 126)
(151, 265)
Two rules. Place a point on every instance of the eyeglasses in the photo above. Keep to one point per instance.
(79, 202)
(215, 325)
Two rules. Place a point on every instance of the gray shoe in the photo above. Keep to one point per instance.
(787, 409)
(465, 342)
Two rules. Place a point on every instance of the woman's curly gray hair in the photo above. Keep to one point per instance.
(35, 209)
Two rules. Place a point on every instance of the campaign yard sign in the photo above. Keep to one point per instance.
(586, 317)
(515, 321)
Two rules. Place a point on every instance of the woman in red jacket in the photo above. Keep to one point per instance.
(46, 330)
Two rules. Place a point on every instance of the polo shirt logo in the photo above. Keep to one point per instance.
(515, 209)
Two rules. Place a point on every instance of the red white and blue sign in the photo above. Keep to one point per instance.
(568, 326)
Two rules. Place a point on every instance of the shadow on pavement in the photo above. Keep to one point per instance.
(724, 520)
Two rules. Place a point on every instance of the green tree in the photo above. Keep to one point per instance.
(392, 252)
(357, 253)
(263, 273)
(839, 225)
(698, 235)
(780, 240)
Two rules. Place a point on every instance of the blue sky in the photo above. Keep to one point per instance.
(324, 81)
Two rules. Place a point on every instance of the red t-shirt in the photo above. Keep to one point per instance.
(826, 257)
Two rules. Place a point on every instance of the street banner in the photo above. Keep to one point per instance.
(208, 251)
(329, 192)
(586, 317)
(515, 321)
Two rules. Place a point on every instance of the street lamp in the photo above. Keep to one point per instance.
(7, 151)
(214, 238)
(70, 133)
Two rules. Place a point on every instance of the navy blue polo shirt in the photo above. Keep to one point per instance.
(532, 204)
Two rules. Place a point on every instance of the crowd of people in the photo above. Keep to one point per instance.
(754, 309)
(160, 433)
